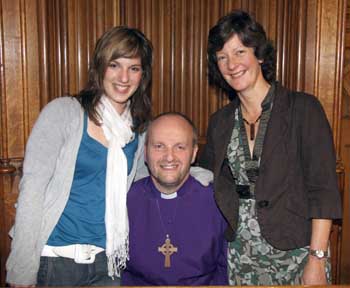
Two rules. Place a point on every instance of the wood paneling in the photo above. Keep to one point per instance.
(73, 28)
(9, 185)
(328, 63)
(19, 74)
(345, 151)
(45, 47)
(179, 36)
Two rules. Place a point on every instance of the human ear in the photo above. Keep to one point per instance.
(194, 153)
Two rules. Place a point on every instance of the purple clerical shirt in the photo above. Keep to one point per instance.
(195, 228)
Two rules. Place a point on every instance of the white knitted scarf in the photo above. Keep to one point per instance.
(117, 130)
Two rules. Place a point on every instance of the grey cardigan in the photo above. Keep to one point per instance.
(48, 171)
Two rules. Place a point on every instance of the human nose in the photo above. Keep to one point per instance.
(231, 62)
(124, 75)
(169, 155)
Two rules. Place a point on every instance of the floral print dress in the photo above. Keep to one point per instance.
(251, 259)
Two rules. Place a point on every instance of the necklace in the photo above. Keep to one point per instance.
(252, 126)
(167, 249)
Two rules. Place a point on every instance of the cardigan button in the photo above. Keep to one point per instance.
(263, 204)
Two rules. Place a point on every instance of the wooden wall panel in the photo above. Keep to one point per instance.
(191, 92)
(9, 185)
(73, 28)
(329, 60)
(154, 19)
(345, 150)
(179, 37)
(19, 74)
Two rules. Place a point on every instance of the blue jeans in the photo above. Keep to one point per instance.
(60, 271)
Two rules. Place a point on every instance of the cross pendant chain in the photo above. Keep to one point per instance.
(167, 249)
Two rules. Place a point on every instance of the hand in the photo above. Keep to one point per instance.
(21, 286)
(314, 272)
(203, 176)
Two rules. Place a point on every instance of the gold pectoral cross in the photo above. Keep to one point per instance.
(167, 249)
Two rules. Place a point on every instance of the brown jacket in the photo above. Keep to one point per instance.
(297, 176)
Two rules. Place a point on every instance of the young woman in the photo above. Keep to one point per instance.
(71, 226)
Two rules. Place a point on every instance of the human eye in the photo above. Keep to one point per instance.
(158, 146)
(220, 58)
(136, 69)
(240, 52)
(181, 147)
(113, 64)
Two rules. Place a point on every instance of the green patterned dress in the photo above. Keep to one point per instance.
(251, 259)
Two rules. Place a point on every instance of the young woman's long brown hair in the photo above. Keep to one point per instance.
(120, 41)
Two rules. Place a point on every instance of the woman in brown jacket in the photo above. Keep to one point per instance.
(272, 154)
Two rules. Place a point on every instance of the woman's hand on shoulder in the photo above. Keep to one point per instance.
(203, 176)
(21, 286)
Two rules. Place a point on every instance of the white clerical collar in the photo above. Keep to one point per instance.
(168, 196)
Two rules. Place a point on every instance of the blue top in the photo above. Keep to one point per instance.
(196, 230)
(82, 221)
